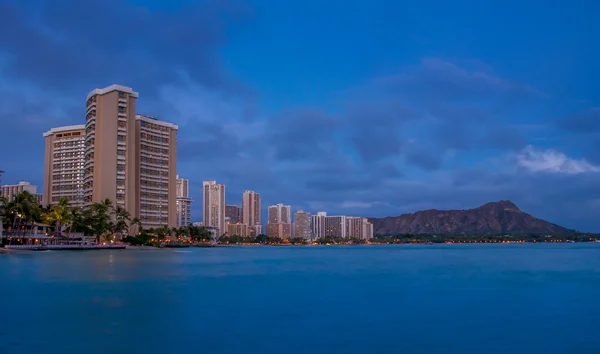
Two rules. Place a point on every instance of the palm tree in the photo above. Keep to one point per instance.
(136, 224)
(3, 212)
(122, 218)
(24, 208)
(59, 215)
(97, 218)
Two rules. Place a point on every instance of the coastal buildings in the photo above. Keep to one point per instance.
(279, 222)
(354, 227)
(238, 229)
(317, 224)
(10, 190)
(64, 165)
(367, 229)
(234, 213)
(357, 227)
(280, 213)
(213, 206)
(335, 226)
(155, 158)
(184, 203)
(128, 158)
(110, 146)
(251, 211)
(281, 230)
(328, 226)
(301, 225)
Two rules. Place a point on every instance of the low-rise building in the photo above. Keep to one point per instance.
(238, 229)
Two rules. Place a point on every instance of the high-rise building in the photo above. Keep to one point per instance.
(234, 213)
(251, 209)
(301, 225)
(128, 158)
(64, 165)
(357, 227)
(237, 229)
(110, 147)
(184, 203)
(367, 229)
(213, 205)
(280, 213)
(328, 226)
(318, 224)
(10, 190)
(354, 227)
(279, 223)
(335, 226)
(155, 164)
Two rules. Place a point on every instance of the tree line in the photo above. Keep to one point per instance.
(103, 220)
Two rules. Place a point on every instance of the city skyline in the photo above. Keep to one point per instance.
(352, 116)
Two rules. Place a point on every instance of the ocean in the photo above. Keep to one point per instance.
(532, 298)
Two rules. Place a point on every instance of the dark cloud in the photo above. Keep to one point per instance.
(302, 134)
(587, 122)
(78, 45)
(424, 158)
(436, 79)
(210, 143)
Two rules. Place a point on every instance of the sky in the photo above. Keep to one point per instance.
(369, 108)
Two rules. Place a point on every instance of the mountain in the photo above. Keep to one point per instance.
(502, 217)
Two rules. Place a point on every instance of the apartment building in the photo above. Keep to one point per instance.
(184, 203)
(301, 225)
(64, 165)
(213, 206)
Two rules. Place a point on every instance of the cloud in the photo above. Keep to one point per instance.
(586, 122)
(64, 47)
(552, 161)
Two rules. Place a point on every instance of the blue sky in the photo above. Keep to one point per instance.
(360, 108)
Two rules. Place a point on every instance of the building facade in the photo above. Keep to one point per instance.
(234, 213)
(155, 164)
(301, 225)
(184, 203)
(64, 165)
(255, 230)
(367, 229)
(354, 227)
(324, 225)
(238, 229)
(318, 224)
(10, 190)
(280, 213)
(213, 205)
(279, 222)
(110, 147)
(251, 209)
(281, 230)
(358, 227)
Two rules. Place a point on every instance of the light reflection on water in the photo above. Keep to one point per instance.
(362, 299)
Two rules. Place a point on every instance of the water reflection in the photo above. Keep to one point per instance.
(262, 300)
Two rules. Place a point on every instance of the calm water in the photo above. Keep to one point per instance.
(362, 299)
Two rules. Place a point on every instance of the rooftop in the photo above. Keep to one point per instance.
(111, 88)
